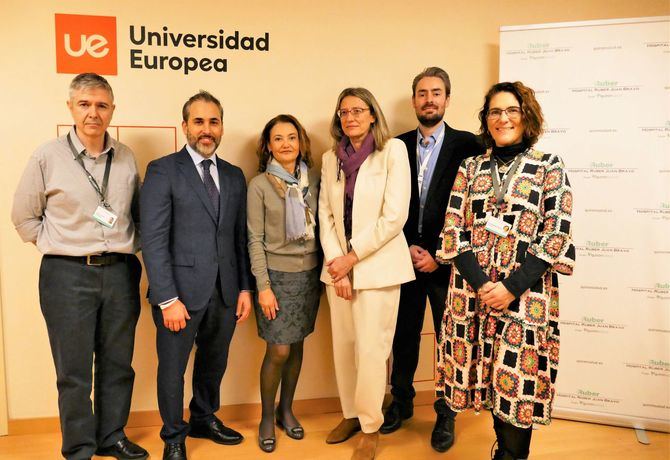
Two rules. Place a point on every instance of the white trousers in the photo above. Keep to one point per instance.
(363, 331)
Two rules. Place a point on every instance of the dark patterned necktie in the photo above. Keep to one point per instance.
(210, 186)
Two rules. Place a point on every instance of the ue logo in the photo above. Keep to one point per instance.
(85, 44)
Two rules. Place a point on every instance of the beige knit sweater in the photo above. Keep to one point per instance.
(266, 227)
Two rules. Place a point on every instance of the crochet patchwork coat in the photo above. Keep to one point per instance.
(505, 361)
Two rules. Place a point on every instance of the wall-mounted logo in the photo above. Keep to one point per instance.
(86, 44)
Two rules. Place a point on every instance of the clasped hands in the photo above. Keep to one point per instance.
(495, 295)
(422, 260)
(338, 269)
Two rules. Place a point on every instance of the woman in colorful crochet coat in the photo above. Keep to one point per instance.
(508, 233)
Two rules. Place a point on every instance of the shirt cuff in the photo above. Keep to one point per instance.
(167, 303)
(263, 282)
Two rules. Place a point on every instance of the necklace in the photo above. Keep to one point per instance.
(503, 164)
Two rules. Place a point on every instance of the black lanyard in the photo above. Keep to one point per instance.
(498, 190)
(105, 180)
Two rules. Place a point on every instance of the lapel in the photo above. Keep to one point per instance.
(443, 163)
(224, 185)
(411, 154)
(338, 198)
(187, 168)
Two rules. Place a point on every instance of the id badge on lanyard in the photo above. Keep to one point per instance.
(424, 164)
(497, 226)
(494, 224)
(104, 214)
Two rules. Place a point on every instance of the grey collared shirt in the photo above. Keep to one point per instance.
(54, 202)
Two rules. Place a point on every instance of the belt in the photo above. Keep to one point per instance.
(96, 260)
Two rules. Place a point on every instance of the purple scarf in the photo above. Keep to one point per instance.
(350, 162)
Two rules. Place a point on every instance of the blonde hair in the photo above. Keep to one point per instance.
(379, 128)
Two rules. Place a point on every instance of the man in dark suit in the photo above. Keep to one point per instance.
(435, 152)
(195, 251)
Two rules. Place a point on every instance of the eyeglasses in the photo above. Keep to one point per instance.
(355, 112)
(513, 113)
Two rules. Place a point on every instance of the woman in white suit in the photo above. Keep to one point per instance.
(363, 205)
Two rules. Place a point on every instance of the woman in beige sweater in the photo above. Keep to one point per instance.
(281, 210)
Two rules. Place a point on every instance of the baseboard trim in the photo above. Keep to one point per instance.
(139, 419)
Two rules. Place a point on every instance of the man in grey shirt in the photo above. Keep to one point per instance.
(77, 202)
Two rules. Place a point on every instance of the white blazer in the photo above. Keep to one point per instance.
(380, 209)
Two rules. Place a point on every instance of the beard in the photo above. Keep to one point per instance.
(204, 150)
(430, 120)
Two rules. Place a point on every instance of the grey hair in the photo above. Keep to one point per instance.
(90, 80)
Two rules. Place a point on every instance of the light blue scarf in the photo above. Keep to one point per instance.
(299, 218)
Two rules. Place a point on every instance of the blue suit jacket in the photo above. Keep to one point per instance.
(183, 246)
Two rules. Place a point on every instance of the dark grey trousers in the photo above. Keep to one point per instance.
(407, 338)
(91, 313)
(211, 329)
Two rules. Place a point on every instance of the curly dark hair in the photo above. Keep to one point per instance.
(531, 112)
(263, 152)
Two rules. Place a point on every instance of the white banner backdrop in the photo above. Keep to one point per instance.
(604, 87)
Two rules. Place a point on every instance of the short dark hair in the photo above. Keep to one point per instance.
(90, 80)
(263, 152)
(433, 72)
(531, 112)
(201, 95)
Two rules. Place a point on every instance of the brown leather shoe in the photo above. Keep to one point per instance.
(346, 429)
(366, 447)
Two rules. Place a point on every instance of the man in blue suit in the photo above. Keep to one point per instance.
(194, 241)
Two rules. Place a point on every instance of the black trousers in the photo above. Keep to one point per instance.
(408, 331)
(513, 442)
(91, 313)
(211, 329)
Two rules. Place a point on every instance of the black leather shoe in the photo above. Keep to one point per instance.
(394, 416)
(174, 451)
(442, 437)
(502, 454)
(123, 449)
(217, 432)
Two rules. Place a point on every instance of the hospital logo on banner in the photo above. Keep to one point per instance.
(86, 44)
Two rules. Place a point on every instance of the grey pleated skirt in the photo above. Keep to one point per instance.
(298, 297)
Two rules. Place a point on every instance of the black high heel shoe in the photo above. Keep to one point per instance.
(295, 432)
